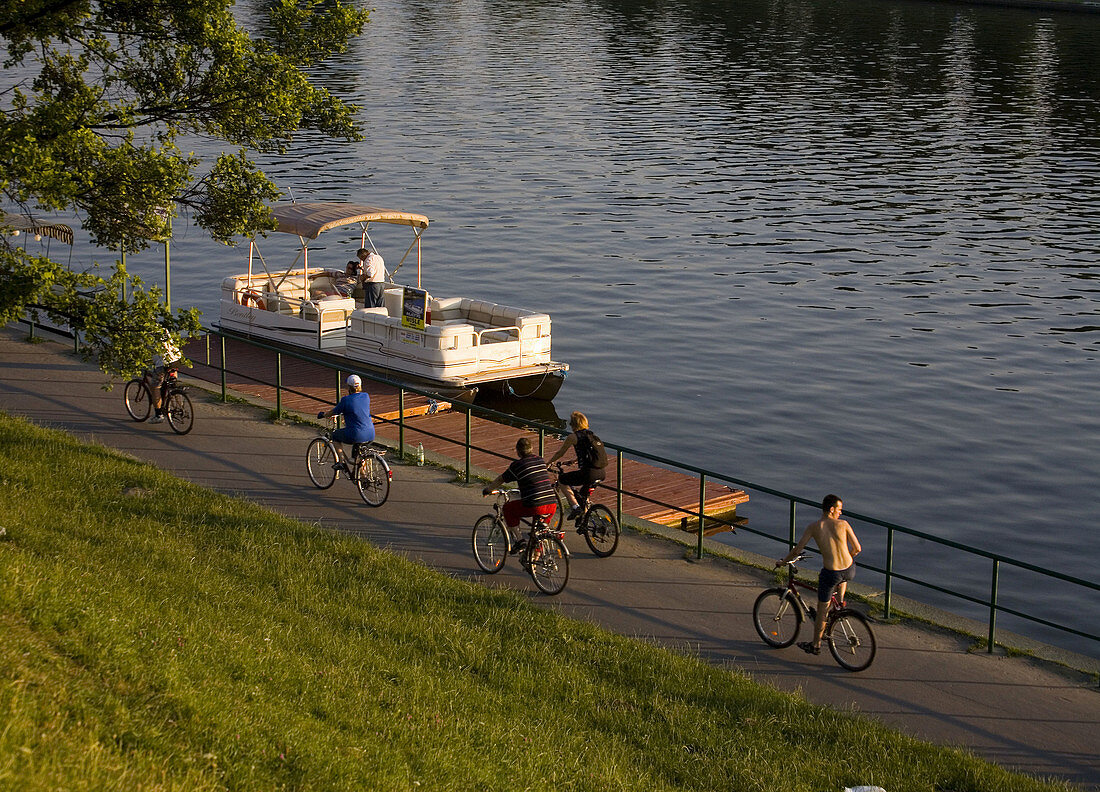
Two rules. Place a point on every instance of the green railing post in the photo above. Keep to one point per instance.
(278, 385)
(542, 442)
(993, 605)
(791, 528)
(401, 422)
(467, 445)
(702, 513)
(225, 395)
(619, 487)
(889, 573)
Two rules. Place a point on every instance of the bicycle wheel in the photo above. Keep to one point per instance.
(549, 564)
(490, 541)
(373, 480)
(851, 641)
(777, 617)
(320, 462)
(601, 530)
(138, 399)
(181, 415)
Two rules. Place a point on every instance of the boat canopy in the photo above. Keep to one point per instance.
(308, 220)
(14, 224)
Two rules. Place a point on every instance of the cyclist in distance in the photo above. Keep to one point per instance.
(536, 491)
(588, 472)
(838, 545)
(166, 356)
(358, 426)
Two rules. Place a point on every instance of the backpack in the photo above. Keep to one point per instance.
(590, 450)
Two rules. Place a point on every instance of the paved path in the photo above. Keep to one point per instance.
(923, 682)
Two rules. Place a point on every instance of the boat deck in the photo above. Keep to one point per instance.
(655, 493)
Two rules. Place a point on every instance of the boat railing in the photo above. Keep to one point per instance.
(478, 342)
(914, 566)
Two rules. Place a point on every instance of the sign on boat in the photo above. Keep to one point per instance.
(451, 344)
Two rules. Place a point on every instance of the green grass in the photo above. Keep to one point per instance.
(157, 636)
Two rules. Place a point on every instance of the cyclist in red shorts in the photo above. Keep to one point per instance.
(535, 489)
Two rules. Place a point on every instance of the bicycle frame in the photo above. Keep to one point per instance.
(323, 465)
(583, 492)
(543, 554)
(779, 612)
(537, 525)
(171, 382)
(794, 584)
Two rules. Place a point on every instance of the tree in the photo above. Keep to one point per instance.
(94, 128)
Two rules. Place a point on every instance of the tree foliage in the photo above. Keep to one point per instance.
(110, 90)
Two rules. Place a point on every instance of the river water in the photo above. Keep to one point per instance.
(821, 246)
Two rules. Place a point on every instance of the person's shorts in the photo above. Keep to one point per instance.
(579, 478)
(341, 436)
(514, 510)
(829, 579)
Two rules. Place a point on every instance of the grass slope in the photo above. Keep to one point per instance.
(157, 636)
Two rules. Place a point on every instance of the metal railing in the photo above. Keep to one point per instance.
(992, 604)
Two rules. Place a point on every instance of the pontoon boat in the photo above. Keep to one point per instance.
(450, 344)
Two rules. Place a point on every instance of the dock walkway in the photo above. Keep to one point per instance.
(651, 493)
(1019, 713)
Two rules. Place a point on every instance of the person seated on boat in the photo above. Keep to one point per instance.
(347, 283)
(535, 490)
(358, 426)
(372, 276)
(589, 470)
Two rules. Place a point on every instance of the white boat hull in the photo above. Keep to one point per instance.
(465, 345)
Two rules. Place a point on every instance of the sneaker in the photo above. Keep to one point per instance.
(809, 648)
(575, 513)
(157, 419)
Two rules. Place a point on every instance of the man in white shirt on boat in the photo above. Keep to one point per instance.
(372, 275)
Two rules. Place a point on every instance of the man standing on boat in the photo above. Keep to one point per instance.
(372, 274)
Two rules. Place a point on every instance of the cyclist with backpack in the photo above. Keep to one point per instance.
(591, 461)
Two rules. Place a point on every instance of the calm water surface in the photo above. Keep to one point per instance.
(827, 246)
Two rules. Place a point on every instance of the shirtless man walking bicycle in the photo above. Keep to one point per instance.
(839, 546)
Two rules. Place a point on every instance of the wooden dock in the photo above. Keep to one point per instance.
(650, 492)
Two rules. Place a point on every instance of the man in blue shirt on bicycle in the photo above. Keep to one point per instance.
(358, 425)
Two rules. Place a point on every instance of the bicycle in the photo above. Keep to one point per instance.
(175, 404)
(369, 472)
(543, 553)
(778, 614)
(596, 523)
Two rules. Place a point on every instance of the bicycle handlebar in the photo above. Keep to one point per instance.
(793, 561)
